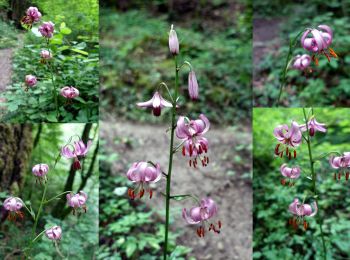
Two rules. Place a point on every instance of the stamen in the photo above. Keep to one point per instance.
(219, 224)
(289, 156)
(283, 182)
(183, 151)
(295, 154)
(190, 162)
(281, 154)
(191, 150)
(142, 192)
(276, 149)
(339, 175)
(305, 225)
(335, 176)
(150, 194)
(332, 52)
(347, 176)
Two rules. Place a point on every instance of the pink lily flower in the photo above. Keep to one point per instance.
(193, 143)
(32, 16)
(319, 42)
(79, 150)
(340, 163)
(77, 201)
(289, 139)
(40, 171)
(30, 80)
(302, 62)
(69, 92)
(201, 214)
(54, 233)
(47, 29)
(45, 55)
(192, 85)
(301, 210)
(156, 103)
(173, 41)
(13, 205)
(313, 127)
(290, 173)
(143, 174)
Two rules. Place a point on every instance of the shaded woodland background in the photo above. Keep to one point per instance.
(273, 237)
(277, 21)
(23, 146)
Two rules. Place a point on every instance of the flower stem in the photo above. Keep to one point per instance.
(289, 60)
(313, 173)
(53, 82)
(47, 201)
(168, 177)
(37, 216)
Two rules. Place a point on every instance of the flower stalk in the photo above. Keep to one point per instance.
(171, 154)
(54, 91)
(314, 177)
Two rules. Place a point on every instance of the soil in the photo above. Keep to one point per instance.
(265, 40)
(226, 182)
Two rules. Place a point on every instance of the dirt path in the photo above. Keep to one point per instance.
(265, 40)
(6, 67)
(232, 192)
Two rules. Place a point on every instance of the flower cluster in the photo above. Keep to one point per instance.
(289, 138)
(46, 30)
(193, 144)
(317, 41)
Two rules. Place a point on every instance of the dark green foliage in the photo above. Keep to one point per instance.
(8, 35)
(135, 58)
(128, 229)
(273, 237)
(328, 84)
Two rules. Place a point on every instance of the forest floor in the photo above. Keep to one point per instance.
(226, 180)
(265, 40)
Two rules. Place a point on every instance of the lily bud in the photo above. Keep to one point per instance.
(173, 41)
(192, 85)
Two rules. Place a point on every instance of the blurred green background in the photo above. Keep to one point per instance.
(43, 145)
(273, 237)
(275, 22)
(75, 47)
(214, 35)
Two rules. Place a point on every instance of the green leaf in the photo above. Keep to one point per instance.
(130, 249)
(80, 51)
(66, 31)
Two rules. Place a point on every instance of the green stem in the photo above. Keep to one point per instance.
(325, 155)
(53, 82)
(313, 173)
(38, 215)
(289, 59)
(171, 153)
(47, 201)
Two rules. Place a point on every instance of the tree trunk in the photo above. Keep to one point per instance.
(17, 11)
(58, 211)
(16, 145)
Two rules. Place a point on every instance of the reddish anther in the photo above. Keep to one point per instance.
(347, 176)
(305, 225)
(150, 194)
(190, 162)
(295, 154)
(339, 175)
(183, 151)
(219, 224)
(289, 156)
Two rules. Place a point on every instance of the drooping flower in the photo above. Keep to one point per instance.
(192, 85)
(289, 139)
(302, 62)
(319, 42)
(13, 205)
(313, 127)
(143, 174)
(156, 103)
(54, 233)
(40, 171)
(291, 173)
(300, 211)
(77, 201)
(79, 151)
(69, 92)
(341, 163)
(32, 16)
(47, 29)
(173, 41)
(46, 54)
(201, 215)
(30, 80)
(194, 145)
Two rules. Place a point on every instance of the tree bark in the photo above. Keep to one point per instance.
(17, 10)
(58, 211)
(16, 145)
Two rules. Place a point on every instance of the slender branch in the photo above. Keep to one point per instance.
(38, 236)
(325, 155)
(166, 87)
(168, 177)
(47, 201)
(289, 60)
(53, 82)
(154, 165)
